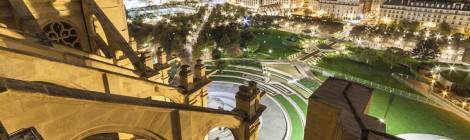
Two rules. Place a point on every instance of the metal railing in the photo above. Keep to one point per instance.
(374, 85)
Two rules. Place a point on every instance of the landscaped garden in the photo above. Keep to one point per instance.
(274, 44)
(377, 71)
(297, 126)
(293, 116)
(407, 116)
(461, 81)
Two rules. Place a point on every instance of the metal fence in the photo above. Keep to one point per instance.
(374, 85)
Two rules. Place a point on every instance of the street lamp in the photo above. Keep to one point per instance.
(444, 93)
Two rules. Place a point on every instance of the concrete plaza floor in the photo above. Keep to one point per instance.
(273, 121)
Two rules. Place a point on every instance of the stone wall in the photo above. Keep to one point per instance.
(60, 113)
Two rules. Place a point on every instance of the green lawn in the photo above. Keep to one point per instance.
(319, 75)
(238, 74)
(294, 117)
(300, 103)
(270, 39)
(408, 116)
(239, 69)
(297, 127)
(286, 68)
(308, 83)
(292, 86)
(461, 79)
(249, 63)
(228, 79)
(377, 72)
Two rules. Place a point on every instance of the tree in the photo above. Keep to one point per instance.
(458, 38)
(252, 47)
(411, 27)
(444, 28)
(393, 56)
(426, 50)
(246, 37)
(235, 50)
(370, 55)
(367, 55)
(224, 41)
(308, 12)
(221, 65)
(217, 55)
(358, 31)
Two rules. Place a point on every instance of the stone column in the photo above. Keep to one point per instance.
(161, 56)
(248, 104)
(186, 78)
(199, 71)
(162, 66)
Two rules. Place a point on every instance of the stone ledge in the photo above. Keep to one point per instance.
(49, 89)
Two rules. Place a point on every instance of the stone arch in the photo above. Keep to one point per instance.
(63, 31)
(117, 129)
(234, 128)
(234, 131)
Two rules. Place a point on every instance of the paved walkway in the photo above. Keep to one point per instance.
(273, 120)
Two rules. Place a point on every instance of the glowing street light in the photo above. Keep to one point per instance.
(444, 93)
(386, 20)
(382, 120)
(427, 34)
(449, 37)
(438, 36)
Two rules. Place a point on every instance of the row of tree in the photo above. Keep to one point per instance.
(170, 33)
(326, 24)
(407, 30)
(222, 30)
(426, 50)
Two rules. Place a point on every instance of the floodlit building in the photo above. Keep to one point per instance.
(255, 4)
(454, 12)
(347, 9)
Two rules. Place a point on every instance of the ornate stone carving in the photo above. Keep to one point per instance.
(63, 33)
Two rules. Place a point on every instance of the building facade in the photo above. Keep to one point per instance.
(347, 9)
(430, 13)
(255, 4)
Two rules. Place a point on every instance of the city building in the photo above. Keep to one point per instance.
(255, 4)
(454, 12)
(347, 9)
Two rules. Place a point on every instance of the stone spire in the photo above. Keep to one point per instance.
(199, 71)
(248, 104)
(186, 78)
(161, 57)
